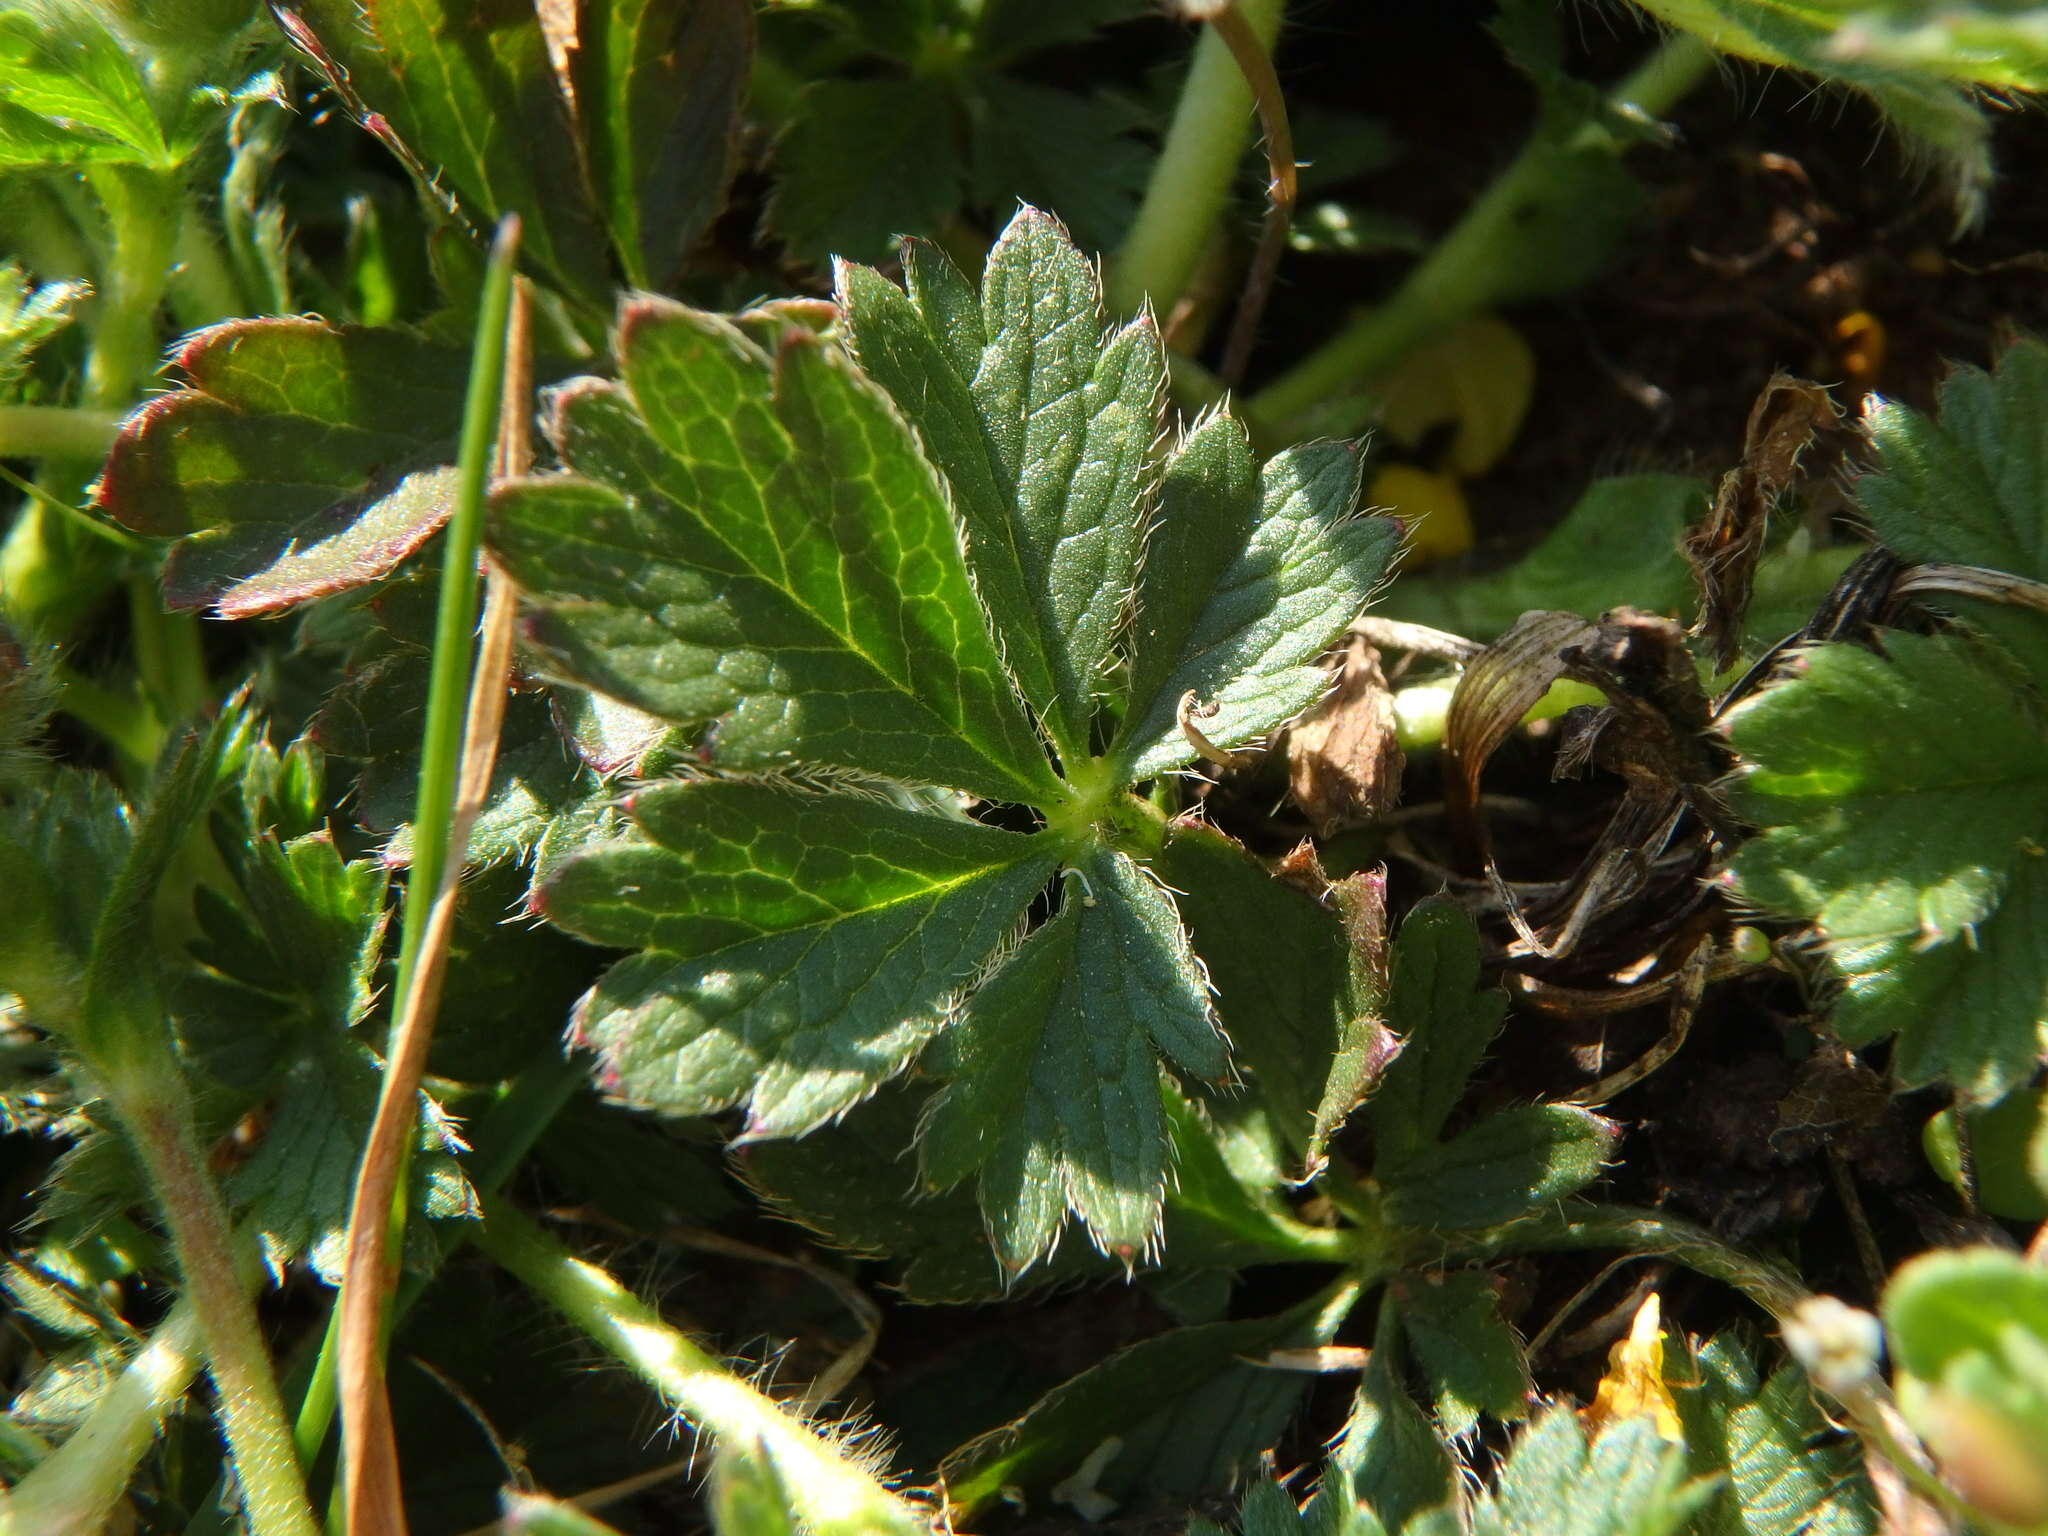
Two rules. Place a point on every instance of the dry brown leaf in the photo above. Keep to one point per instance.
(1343, 762)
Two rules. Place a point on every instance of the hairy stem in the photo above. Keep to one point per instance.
(1643, 1231)
(830, 1491)
(1191, 179)
(75, 1490)
(1479, 259)
(156, 1109)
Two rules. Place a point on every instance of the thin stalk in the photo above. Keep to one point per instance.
(1255, 59)
(155, 1106)
(1469, 268)
(1190, 182)
(829, 1490)
(1643, 1231)
(1420, 711)
(203, 287)
(56, 431)
(75, 1490)
(458, 745)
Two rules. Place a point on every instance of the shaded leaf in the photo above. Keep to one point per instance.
(799, 948)
(1109, 1399)
(472, 92)
(1470, 1356)
(1904, 802)
(1053, 148)
(658, 89)
(1054, 1100)
(299, 461)
(1444, 1024)
(1389, 1458)
(762, 542)
(864, 162)
(1278, 963)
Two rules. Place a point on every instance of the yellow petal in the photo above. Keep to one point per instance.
(1432, 506)
(1480, 376)
(1634, 1384)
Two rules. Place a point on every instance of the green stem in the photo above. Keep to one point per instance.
(56, 431)
(1480, 259)
(830, 1491)
(203, 284)
(167, 653)
(1190, 183)
(1642, 1231)
(75, 1490)
(155, 1106)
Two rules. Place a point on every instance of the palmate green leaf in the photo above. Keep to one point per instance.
(658, 87)
(1243, 590)
(1967, 487)
(1904, 803)
(1934, 110)
(71, 94)
(1046, 434)
(61, 842)
(301, 460)
(760, 542)
(1782, 1473)
(864, 162)
(799, 949)
(1054, 1100)
(472, 92)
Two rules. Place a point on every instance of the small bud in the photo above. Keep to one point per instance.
(1838, 1345)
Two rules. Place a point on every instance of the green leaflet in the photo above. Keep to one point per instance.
(472, 92)
(1445, 1023)
(1626, 1482)
(1782, 1475)
(70, 93)
(1303, 571)
(1904, 802)
(303, 459)
(761, 541)
(29, 316)
(1389, 1458)
(801, 948)
(1048, 443)
(1967, 487)
(1159, 1375)
(1054, 1102)
(1508, 1165)
(1467, 1350)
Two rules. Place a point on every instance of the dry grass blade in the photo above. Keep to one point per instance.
(1498, 687)
(1691, 986)
(371, 1476)
(1256, 64)
(1788, 417)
